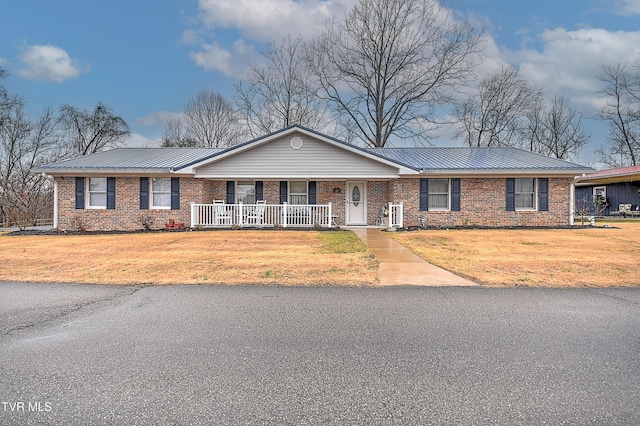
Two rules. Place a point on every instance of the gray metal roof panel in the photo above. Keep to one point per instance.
(475, 159)
(132, 159)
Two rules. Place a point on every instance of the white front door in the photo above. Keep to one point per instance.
(356, 203)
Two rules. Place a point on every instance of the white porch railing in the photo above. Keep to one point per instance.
(261, 215)
(396, 214)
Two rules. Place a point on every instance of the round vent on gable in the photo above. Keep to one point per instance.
(296, 142)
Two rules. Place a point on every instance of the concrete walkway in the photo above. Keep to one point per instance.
(400, 266)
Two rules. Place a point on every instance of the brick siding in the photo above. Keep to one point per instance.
(127, 214)
(482, 203)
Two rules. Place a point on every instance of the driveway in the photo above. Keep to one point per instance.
(275, 355)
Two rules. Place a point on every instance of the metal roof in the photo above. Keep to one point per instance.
(477, 159)
(620, 174)
(131, 160)
(425, 160)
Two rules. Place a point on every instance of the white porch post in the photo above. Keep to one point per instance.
(572, 200)
(401, 215)
(240, 220)
(284, 214)
(193, 215)
(330, 218)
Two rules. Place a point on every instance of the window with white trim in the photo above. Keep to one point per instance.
(525, 194)
(438, 194)
(246, 192)
(160, 193)
(600, 190)
(97, 193)
(298, 192)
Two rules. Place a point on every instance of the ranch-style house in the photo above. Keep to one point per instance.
(297, 177)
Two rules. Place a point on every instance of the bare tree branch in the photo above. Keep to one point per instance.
(279, 94)
(622, 114)
(496, 114)
(92, 131)
(390, 64)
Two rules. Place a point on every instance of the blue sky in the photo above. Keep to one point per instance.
(146, 58)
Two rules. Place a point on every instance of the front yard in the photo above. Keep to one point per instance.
(216, 257)
(553, 258)
(556, 258)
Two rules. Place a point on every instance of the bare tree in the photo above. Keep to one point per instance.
(390, 64)
(622, 113)
(280, 93)
(24, 145)
(557, 131)
(92, 131)
(209, 121)
(175, 135)
(496, 115)
(7, 101)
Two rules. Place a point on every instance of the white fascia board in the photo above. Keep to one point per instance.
(115, 172)
(284, 176)
(502, 172)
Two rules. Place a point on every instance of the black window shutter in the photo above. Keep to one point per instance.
(455, 195)
(79, 193)
(424, 194)
(543, 195)
(231, 195)
(144, 193)
(511, 194)
(175, 193)
(111, 193)
(259, 190)
(284, 192)
(312, 192)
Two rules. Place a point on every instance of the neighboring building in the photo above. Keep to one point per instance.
(618, 186)
(296, 167)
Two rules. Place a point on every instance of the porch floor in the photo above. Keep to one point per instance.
(400, 266)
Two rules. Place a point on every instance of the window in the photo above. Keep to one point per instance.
(97, 193)
(525, 194)
(600, 191)
(298, 192)
(161, 193)
(246, 192)
(438, 194)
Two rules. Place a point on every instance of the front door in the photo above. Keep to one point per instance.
(356, 203)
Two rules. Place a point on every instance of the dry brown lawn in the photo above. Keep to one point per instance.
(217, 257)
(556, 258)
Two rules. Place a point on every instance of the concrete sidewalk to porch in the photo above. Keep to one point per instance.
(400, 266)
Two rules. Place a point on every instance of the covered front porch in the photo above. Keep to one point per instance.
(241, 215)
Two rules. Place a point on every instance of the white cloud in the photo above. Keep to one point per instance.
(627, 7)
(257, 21)
(233, 62)
(136, 140)
(158, 118)
(570, 62)
(264, 20)
(48, 63)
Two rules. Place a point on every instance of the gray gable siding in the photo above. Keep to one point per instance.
(314, 159)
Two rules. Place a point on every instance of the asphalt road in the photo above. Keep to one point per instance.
(271, 355)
